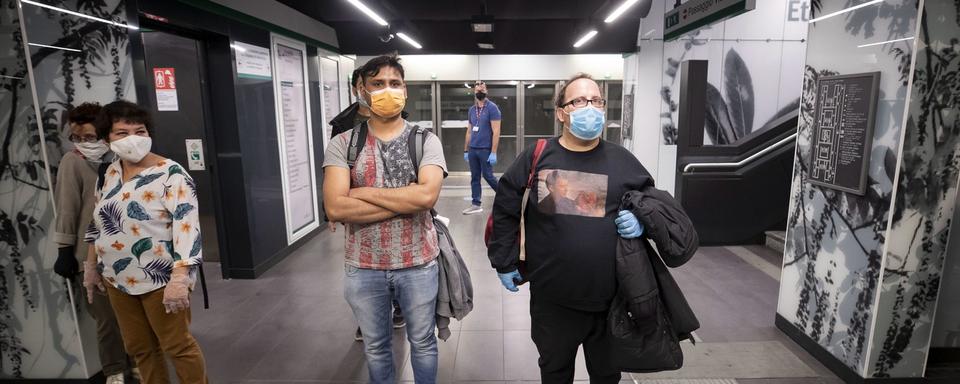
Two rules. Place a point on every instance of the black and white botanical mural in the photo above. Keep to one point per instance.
(925, 197)
(39, 335)
(754, 73)
(834, 256)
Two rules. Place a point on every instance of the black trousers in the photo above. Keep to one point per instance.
(559, 331)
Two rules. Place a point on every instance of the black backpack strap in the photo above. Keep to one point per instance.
(101, 174)
(415, 144)
(358, 138)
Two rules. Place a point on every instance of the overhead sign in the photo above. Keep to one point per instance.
(253, 62)
(843, 131)
(695, 14)
(165, 83)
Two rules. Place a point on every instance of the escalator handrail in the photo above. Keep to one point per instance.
(689, 167)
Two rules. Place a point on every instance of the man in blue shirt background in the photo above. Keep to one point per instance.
(480, 144)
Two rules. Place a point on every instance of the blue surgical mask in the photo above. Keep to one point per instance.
(587, 123)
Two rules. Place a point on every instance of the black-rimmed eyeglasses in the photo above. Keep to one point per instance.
(581, 102)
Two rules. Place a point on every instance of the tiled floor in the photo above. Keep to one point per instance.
(292, 325)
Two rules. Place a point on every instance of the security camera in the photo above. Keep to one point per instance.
(385, 35)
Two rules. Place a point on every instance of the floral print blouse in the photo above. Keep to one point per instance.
(145, 227)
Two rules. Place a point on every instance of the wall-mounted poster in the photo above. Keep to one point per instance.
(843, 131)
(295, 136)
(329, 92)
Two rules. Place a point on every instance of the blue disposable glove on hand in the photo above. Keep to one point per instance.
(492, 159)
(510, 280)
(628, 226)
(466, 157)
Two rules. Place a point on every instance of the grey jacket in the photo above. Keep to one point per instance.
(76, 180)
(455, 294)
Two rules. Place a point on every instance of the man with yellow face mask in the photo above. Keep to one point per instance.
(373, 186)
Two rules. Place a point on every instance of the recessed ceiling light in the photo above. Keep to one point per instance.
(482, 27)
(485, 45)
(369, 12)
(409, 40)
(583, 40)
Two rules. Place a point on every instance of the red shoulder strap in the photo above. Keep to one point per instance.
(541, 145)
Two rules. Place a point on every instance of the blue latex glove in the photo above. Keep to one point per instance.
(510, 280)
(628, 226)
(492, 159)
(466, 156)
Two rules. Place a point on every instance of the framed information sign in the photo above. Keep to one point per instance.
(843, 123)
(295, 136)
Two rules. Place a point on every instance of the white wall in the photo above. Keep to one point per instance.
(507, 67)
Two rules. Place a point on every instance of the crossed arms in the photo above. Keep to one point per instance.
(364, 205)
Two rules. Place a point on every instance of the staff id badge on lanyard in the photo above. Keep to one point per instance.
(476, 128)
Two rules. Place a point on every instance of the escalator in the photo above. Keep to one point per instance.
(735, 193)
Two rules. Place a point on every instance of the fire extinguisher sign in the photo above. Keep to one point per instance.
(165, 83)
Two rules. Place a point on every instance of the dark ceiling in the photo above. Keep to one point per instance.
(443, 26)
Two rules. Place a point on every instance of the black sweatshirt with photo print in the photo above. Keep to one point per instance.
(571, 237)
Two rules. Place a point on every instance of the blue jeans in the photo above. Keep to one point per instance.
(478, 165)
(370, 293)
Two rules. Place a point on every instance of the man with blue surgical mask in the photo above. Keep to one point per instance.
(480, 144)
(571, 224)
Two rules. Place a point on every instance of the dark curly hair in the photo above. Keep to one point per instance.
(373, 66)
(85, 113)
(121, 111)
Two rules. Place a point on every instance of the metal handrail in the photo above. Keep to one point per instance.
(740, 163)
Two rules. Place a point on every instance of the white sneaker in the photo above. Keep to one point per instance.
(115, 379)
(473, 209)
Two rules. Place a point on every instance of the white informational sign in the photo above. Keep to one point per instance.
(252, 61)
(295, 137)
(195, 155)
(165, 83)
(329, 92)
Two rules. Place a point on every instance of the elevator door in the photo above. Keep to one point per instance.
(183, 117)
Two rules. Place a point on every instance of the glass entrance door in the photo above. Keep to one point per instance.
(455, 101)
(539, 119)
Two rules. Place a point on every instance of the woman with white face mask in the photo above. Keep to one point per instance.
(76, 180)
(147, 248)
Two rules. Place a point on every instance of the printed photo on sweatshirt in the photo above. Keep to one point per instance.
(571, 193)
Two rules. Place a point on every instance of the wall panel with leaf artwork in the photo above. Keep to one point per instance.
(40, 335)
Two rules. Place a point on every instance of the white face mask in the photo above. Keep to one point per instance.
(93, 152)
(132, 148)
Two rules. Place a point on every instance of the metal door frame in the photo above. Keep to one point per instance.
(522, 112)
(438, 100)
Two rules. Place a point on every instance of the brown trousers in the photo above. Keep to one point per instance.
(113, 358)
(149, 333)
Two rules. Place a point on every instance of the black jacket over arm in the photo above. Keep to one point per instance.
(649, 315)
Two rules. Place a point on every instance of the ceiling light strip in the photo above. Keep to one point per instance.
(842, 11)
(54, 47)
(620, 10)
(78, 14)
(409, 40)
(369, 12)
(583, 40)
